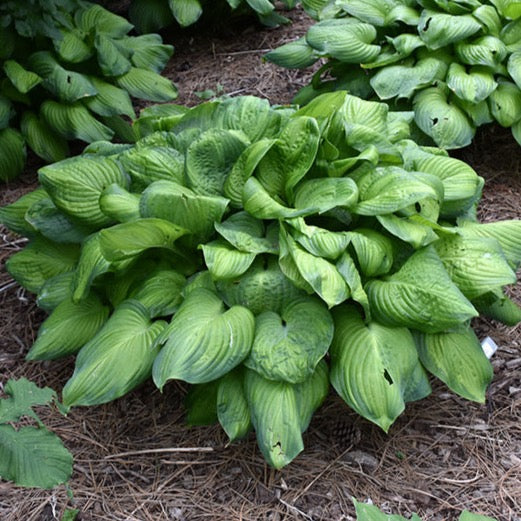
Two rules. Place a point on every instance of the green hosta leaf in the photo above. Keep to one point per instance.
(42, 139)
(118, 204)
(320, 274)
(371, 366)
(514, 67)
(68, 328)
(150, 15)
(160, 292)
(232, 407)
(505, 104)
(288, 161)
(186, 12)
(148, 85)
(373, 250)
(13, 215)
(74, 121)
(210, 158)
(100, 376)
(347, 268)
(448, 126)
(489, 18)
(21, 78)
(420, 295)
(439, 29)
(325, 194)
(474, 86)
(498, 308)
(476, 265)
(109, 100)
(54, 224)
(75, 186)
(262, 288)
(111, 60)
(346, 40)
(129, 239)
(99, 20)
(294, 55)
(71, 47)
(148, 51)
(55, 290)
(368, 512)
(181, 206)
(201, 404)
(122, 128)
(203, 342)
(403, 80)
(261, 6)
(6, 112)
(275, 417)
(416, 231)
(374, 12)
(224, 261)
(246, 233)
(469, 516)
(12, 154)
(311, 393)
(40, 260)
(488, 51)
(33, 457)
(288, 346)
(458, 360)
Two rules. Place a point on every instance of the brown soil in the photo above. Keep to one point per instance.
(136, 461)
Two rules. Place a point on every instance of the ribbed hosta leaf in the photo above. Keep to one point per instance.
(347, 268)
(13, 215)
(75, 186)
(476, 265)
(55, 290)
(373, 250)
(325, 194)
(148, 85)
(294, 55)
(288, 346)
(262, 288)
(439, 29)
(374, 12)
(150, 15)
(204, 341)
(232, 406)
(149, 52)
(98, 19)
(505, 104)
(458, 360)
(210, 158)
(224, 261)
(109, 100)
(100, 374)
(499, 307)
(346, 40)
(71, 47)
(40, 260)
(12, 154)
(42, 139)
(371, 366)
(21, 78)
(514, 67)
(474, 86)
(420, 295)
(129, 239)
(111, 60)
(33, 457)
(311, 393)
(68, 328)
(487, 51)
(6, 112)
(448, 126)
(275, 417)
(118, 204)
(186, 12)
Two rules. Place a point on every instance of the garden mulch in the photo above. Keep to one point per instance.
(135, 460)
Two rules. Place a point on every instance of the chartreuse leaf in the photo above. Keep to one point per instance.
(373, 250)
(232, 406)
(68, 328)
(439, 29)
(473, 86)
(118, 204)
(347, 268)
(369, 512)
(21, 78)
(210, 158)
(13, 215)
(55, 290)
(498, 307)
(40, 260)
(109, 100)
(204, 341)
(420, 295)
(128, 239)
(288, 346)
(99, 375)
(458, 360)
(12, 154)
(488, 51)
(414, 230)
(42, 139)
(514, 67)
(476, 265)
(290, 158)
(293, 55)
(324, 194)
(371, 365)
(224, 261)
(275, 417)
(505, 104)
(469, 516)
(148, 85)
(75, 186)
(186, 12)
(262, 288)
(33, 457)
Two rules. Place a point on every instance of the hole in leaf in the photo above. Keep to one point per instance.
(284, 323)
(418, 207)
(434, 121)
(427, 23)
(69, 79)
(387, 376)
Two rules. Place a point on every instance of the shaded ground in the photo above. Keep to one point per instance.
(135, 461)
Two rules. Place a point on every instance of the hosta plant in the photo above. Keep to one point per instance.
(68, 69)
(152, 15)
(260, 253)
(456, 64)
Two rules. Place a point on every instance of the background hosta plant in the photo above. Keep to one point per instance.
(152, 15)
(67, 71)
(456, 64)
(260, 253)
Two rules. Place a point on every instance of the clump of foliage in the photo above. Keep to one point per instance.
(456, 64)
(31, 456)
(261, 253)
(152, 15)
(67, 71)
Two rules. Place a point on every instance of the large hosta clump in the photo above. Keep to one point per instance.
(260, 253)
(456, 64)
(68, 69)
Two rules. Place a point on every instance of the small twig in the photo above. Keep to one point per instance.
(160, 451)
(236, 53)
(295, 509)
